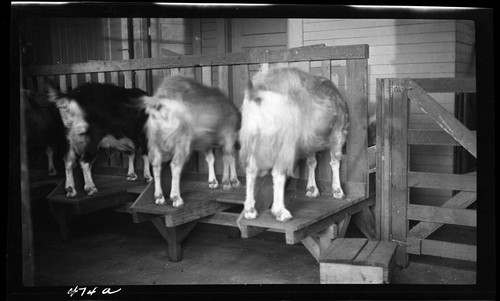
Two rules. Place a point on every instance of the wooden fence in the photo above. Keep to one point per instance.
(225, 69)
(394, 179)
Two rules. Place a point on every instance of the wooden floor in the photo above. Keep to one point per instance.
(108, 248)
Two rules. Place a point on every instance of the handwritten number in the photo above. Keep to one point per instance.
(106, 291)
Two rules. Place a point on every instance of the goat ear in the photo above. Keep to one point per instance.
(52, 93)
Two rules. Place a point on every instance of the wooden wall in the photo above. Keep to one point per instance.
(66, 40)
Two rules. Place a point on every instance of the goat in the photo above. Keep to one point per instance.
(185, 115)
(289, 114)
(44, 127)
(101, 115)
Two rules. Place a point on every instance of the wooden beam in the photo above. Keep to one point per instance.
(431, 137)
(442, 117)
(365, 221)
(447, 84)
(442, 215)
(465, 182)
(238, 58)
(399, 171)
(312, 245)
(356, 164)
(461, 200)
(221, 218)
(444, 249)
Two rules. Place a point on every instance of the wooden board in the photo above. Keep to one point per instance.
(341, 273)
(237, 58)
(343, 250)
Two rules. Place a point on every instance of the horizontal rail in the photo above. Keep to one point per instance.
(431, 137)
(465, 182)
(447, 84)
(433, 214)
(441, 249)
(251, 57)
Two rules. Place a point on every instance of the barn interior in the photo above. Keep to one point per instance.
(115, 245)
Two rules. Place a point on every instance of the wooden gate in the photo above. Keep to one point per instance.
(394, 178)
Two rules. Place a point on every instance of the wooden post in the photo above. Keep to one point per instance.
(174, 236)
(399, 168)
(383, 192)
(356, 163)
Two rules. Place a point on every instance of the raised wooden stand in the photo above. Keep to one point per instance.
(113, 191)
(357, 261)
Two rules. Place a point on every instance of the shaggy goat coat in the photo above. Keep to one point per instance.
(288, 114)
(185, 115)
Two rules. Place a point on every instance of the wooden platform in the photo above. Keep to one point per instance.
(199, 202)
(309, 215)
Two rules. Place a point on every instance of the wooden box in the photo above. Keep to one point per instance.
(357, 261)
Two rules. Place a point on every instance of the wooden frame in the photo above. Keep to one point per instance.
(394, 179)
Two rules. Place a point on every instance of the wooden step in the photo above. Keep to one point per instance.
(309, 215)
(357, 261)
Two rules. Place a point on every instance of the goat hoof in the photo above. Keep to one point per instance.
(148, 179)
(177, 201)
(282, 215)
(70, 192)
(132, 177)
(91, 190)
(250, 213)
(213, 184)
(226, 185)
(338, 194)
(312, 192)
(235, 183)
(52, 172)
(159, 200)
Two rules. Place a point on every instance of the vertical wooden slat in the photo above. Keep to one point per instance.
(301, 171)
(399, 166)
(324, 170)
(206, 79)
(88, 77)
(114, 78)
(141, 80)
(224, 79)
(101, 77)
(127, 79)
(356, 163)
(383, 192)
(63, 86)
(196, 42)
(174, 71)
(206, 75)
